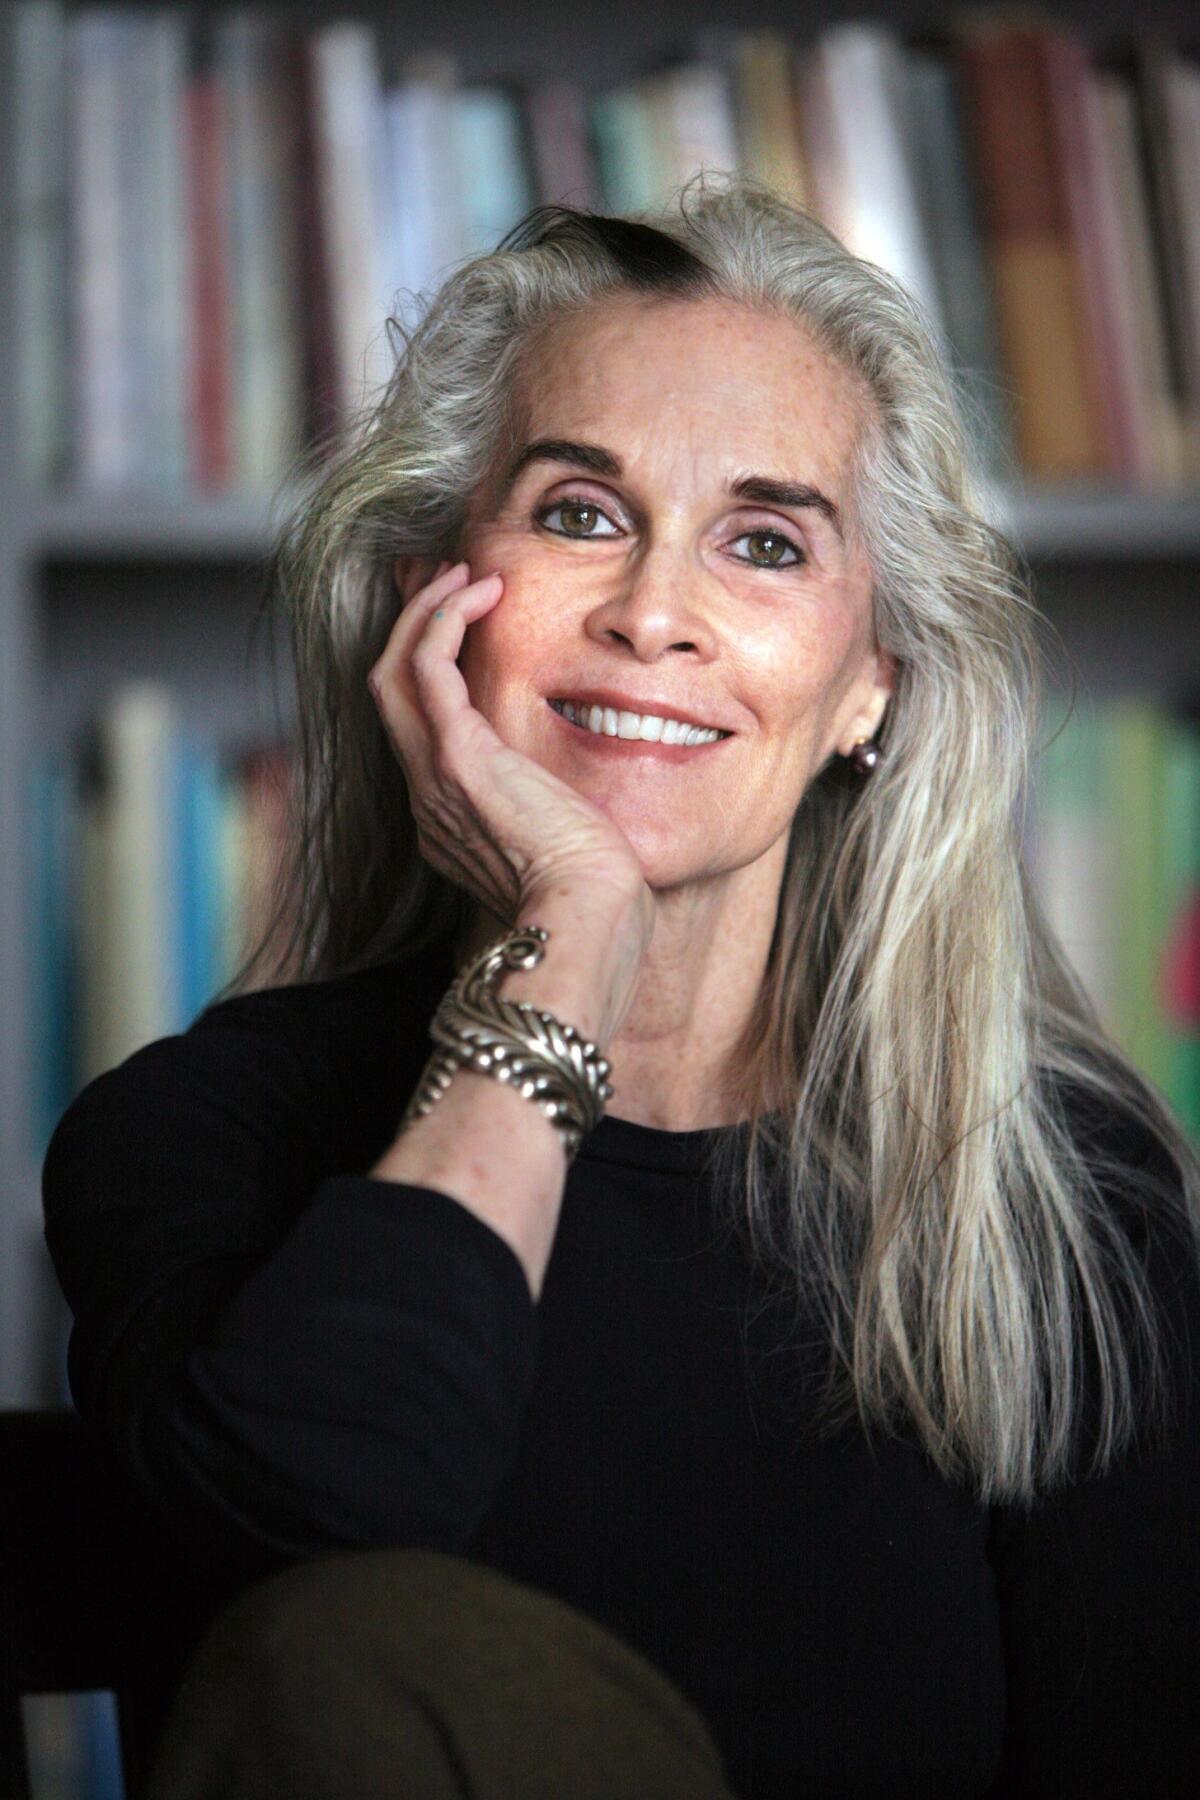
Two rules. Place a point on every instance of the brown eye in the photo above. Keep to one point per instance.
(584, 513)
(779, 545)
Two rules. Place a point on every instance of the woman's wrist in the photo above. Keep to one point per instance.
(589, 971)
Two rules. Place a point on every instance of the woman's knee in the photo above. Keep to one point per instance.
(471, 1681)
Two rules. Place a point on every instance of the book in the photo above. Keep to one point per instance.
(862, 155)
(426, 223)
(560, 151)
(128, 894)
(159, 338)
(267, 348)
(1037, 280)
(495, 182)
(352, 205)
(209, 272)
(104, 424)
(41, 285)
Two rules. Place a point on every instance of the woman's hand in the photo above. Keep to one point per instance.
(487, 816)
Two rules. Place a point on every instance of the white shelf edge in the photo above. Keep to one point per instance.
(1082, 523)
(86, 526)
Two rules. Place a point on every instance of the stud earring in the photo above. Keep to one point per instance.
(864, 756)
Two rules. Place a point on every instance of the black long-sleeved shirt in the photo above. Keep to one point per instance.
(291, 1356)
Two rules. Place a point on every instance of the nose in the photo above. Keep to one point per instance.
(656, 604)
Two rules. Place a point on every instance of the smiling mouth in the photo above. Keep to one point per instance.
(634, 731)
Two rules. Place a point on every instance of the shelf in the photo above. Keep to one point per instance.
(84, 527)
(1079, 524)
(1071, 524)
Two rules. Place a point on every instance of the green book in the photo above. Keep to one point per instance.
(1136, 736)
(1074, 861)
(1181, 898)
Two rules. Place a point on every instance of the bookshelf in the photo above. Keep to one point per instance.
(92, 586)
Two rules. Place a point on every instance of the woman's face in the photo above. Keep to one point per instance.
(638, 577)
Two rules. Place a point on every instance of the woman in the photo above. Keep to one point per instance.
(810, 1352)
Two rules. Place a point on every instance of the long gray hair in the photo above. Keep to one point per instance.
(911, 1171)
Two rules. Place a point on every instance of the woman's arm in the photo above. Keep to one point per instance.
(484, 1143)
(286, 1356)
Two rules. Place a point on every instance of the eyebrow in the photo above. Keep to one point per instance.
(764, 490)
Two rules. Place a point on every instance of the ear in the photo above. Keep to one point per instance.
(873, 694)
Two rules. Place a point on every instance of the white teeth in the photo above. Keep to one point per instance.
(609, 722)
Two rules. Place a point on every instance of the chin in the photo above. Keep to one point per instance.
(663, 859)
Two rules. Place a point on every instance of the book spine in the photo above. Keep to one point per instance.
(494, 178)
(1164, 424)
(209, 277)
(266, 353)
(1172, 193)
(559, 144)
(129, 894)
(350, 168)
(1021, 189)
(103, 424)
(1106, 350)
(320, 348)
(42, 279)
(164, 321)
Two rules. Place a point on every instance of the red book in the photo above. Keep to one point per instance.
(211, 372)
(1109, 354)
(1010, 120)
(323, 414)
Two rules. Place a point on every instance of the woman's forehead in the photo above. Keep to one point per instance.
(715, 372)
(628, 329)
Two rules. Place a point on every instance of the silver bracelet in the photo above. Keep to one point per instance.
(514, 1042)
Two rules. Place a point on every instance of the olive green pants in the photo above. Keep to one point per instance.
(418, 1675)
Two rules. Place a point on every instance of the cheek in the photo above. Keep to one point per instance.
(505, 649)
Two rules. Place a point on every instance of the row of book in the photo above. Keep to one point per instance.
(216, 216)
(154, 857)
(1115, 856)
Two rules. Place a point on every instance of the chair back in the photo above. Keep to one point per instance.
(94, 1592)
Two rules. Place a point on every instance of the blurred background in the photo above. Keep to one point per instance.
(209, 214)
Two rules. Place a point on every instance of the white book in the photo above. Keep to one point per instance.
(100, 44)
(161, 339)
(699, 118)
(268, 345)
(868, 197)
(41, 280)
(1075, 860)
(493, 172)
(352, 174)
(128, 928)
(427, 229)
(1119, 109)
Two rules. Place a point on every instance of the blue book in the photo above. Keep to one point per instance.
(199, 911)
(53, 865)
